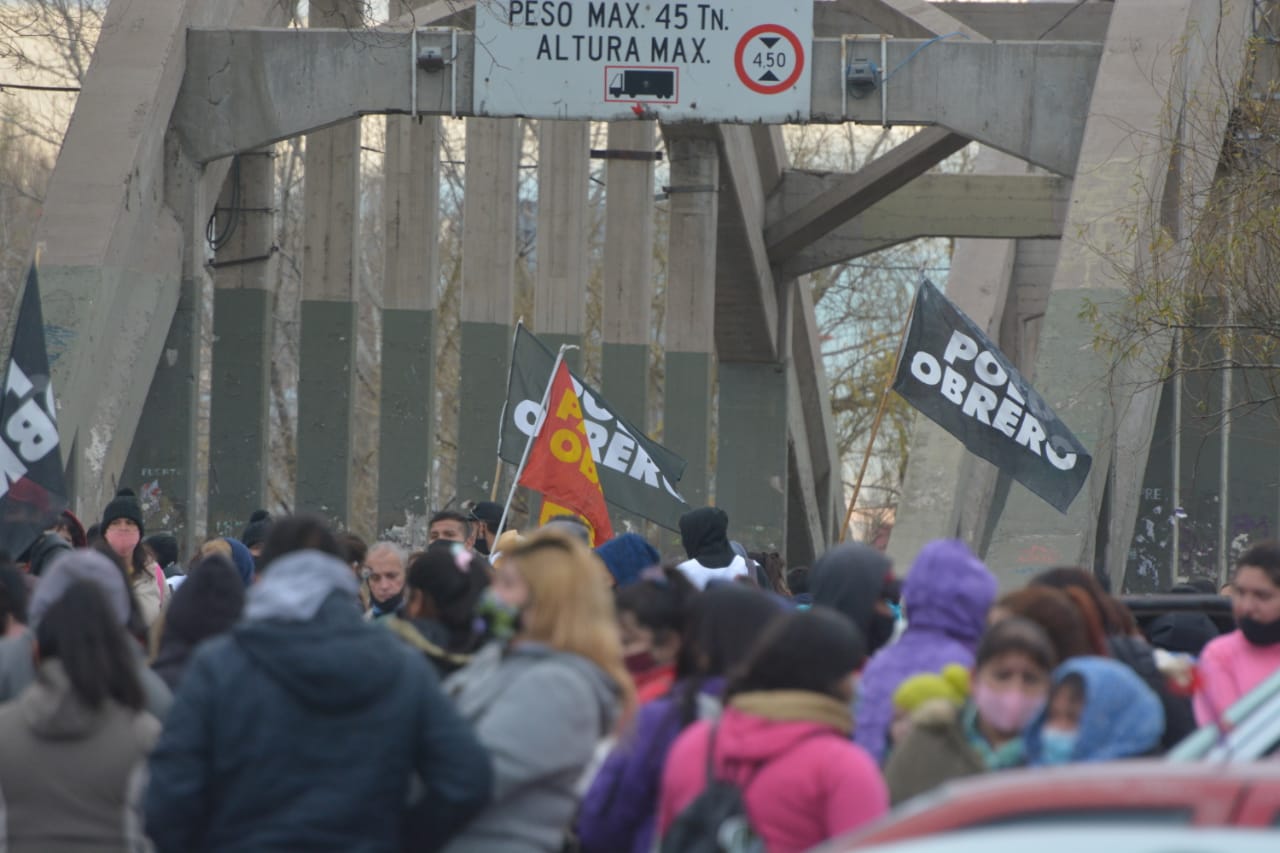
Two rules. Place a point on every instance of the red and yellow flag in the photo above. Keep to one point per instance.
(560, 464)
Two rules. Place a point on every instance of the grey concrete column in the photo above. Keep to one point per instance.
(751, 452)
(327, 351)
(560, 290)
(488, 297)
(412, 215)
(628, 270)
(690, 317)
(162, 462)
(244, 269)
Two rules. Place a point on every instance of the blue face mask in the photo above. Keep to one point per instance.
(1057, 746)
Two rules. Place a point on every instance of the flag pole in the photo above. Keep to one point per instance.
(875, 425)
(537, 429)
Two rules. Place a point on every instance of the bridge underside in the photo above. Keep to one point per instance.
(147, 157)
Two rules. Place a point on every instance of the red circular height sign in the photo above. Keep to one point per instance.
(769, 59)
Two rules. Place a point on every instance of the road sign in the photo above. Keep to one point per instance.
(675, 61)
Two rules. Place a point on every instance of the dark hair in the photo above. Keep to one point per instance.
(658, 605)
(811, 650)
(137, 626)
(1056, 614)
(354, 549)
(1121, 616)
(1016, 634)
(1073, 685)
(80, 631)
(1198, 585)
(453, 515)
(13, 594)
(798, 580)
(774, 568)
(1067, 578)
(455, 591)
(720, 628)
(1264, 556)
(299, 533)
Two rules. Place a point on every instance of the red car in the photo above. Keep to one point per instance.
(1116, 793)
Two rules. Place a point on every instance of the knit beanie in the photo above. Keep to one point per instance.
(124, 505)
(951, 685)
(208, 603)
(71, 566)
(258, 528)
(626, 556)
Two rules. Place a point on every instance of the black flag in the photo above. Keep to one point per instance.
(959, 379)
(636, 473)
(32, 488)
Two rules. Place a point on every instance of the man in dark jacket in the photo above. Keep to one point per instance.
(303, 729)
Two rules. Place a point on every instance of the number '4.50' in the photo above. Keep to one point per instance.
(770, 60)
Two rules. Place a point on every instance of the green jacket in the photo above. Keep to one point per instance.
(937, 750)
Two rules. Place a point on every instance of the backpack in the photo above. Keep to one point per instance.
(717, 821)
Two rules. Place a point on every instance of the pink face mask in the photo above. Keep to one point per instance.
(123, 540)
(1006, 711)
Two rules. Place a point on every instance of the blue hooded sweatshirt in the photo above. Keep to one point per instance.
(946, 596)
(1122, 716)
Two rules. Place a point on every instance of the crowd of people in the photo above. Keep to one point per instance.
(297, 689)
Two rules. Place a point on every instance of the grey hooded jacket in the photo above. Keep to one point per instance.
(540, 713)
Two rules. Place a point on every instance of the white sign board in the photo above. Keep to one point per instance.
(713, 61)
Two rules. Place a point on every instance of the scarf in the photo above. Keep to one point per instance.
(796, 706)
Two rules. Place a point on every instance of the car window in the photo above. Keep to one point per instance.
(1094, 816)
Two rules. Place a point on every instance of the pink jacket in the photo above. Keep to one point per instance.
(807, 786)
(1229, 667)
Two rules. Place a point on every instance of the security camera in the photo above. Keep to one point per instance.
(431, 59)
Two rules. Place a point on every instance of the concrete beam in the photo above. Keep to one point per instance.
(853, 194)
(248, 88)
(560, 289)
(904, 13)
(932, 205)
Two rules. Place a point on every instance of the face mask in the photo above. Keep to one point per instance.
(1006, 711)
(1058, 746)
(502, 620)
(880, 632)
(639, 662)
(391, 605)
(1260, 633)
(123, 540)
(482, 546)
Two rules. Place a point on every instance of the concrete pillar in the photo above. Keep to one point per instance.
(244, 270)
(691, 296)
(488, 297)
(628, 269)
(330, 316)
(1114, 213)
(560, 291)
(162, 462)
(412, 215)
(751, 452)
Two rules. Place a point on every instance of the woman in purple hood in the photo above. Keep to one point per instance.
(946, 597)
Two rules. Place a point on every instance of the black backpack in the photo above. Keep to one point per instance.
(715, 822)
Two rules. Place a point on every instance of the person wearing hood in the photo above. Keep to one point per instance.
(946, 595)
(207, 604)
(542, 703)
(42, 551)
(122, 529)
(1099, 710)
(981, 730)
(705, 535)
(784, 740)
(857, 581)
(83, 724)
(386, 563)
(443, 588)
(303, 727)
(619, 812)
(1234, 664)
(87, 564)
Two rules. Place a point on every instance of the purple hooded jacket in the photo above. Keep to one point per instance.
(619, 812)
(946, 597)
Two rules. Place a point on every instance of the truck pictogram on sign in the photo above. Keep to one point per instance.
(642, 83)
(769, 59)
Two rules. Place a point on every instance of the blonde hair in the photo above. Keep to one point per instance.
(571, 605)
(215, 546)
